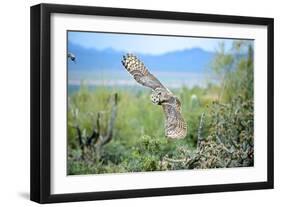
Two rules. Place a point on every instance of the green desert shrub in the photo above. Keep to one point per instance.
(224, 137)
(228, 143)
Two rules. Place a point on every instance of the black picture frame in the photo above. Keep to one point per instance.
(41, 99)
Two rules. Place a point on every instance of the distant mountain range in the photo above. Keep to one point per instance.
(173, 69)
(193, 60)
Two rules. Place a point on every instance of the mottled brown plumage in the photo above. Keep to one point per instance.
(175, 125)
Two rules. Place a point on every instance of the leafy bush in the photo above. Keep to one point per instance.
(220, 121)
(230, 141)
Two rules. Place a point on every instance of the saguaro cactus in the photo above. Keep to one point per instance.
(91, 145)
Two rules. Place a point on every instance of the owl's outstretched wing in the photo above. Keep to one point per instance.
(175, 125)
(140, 73)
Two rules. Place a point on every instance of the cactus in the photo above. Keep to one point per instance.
(92, 144)
(229, 142)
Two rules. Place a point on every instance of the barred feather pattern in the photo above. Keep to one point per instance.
(175, 125)
(139, 72)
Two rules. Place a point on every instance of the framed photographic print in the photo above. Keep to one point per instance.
(132, 103)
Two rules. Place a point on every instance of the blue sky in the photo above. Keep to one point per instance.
(174, 60)
(145, 44)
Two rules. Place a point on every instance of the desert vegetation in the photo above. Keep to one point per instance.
(113, 130)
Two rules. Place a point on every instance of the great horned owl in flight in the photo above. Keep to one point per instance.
(175, 125)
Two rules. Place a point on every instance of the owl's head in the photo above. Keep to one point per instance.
(155, 98)
(159, 95)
